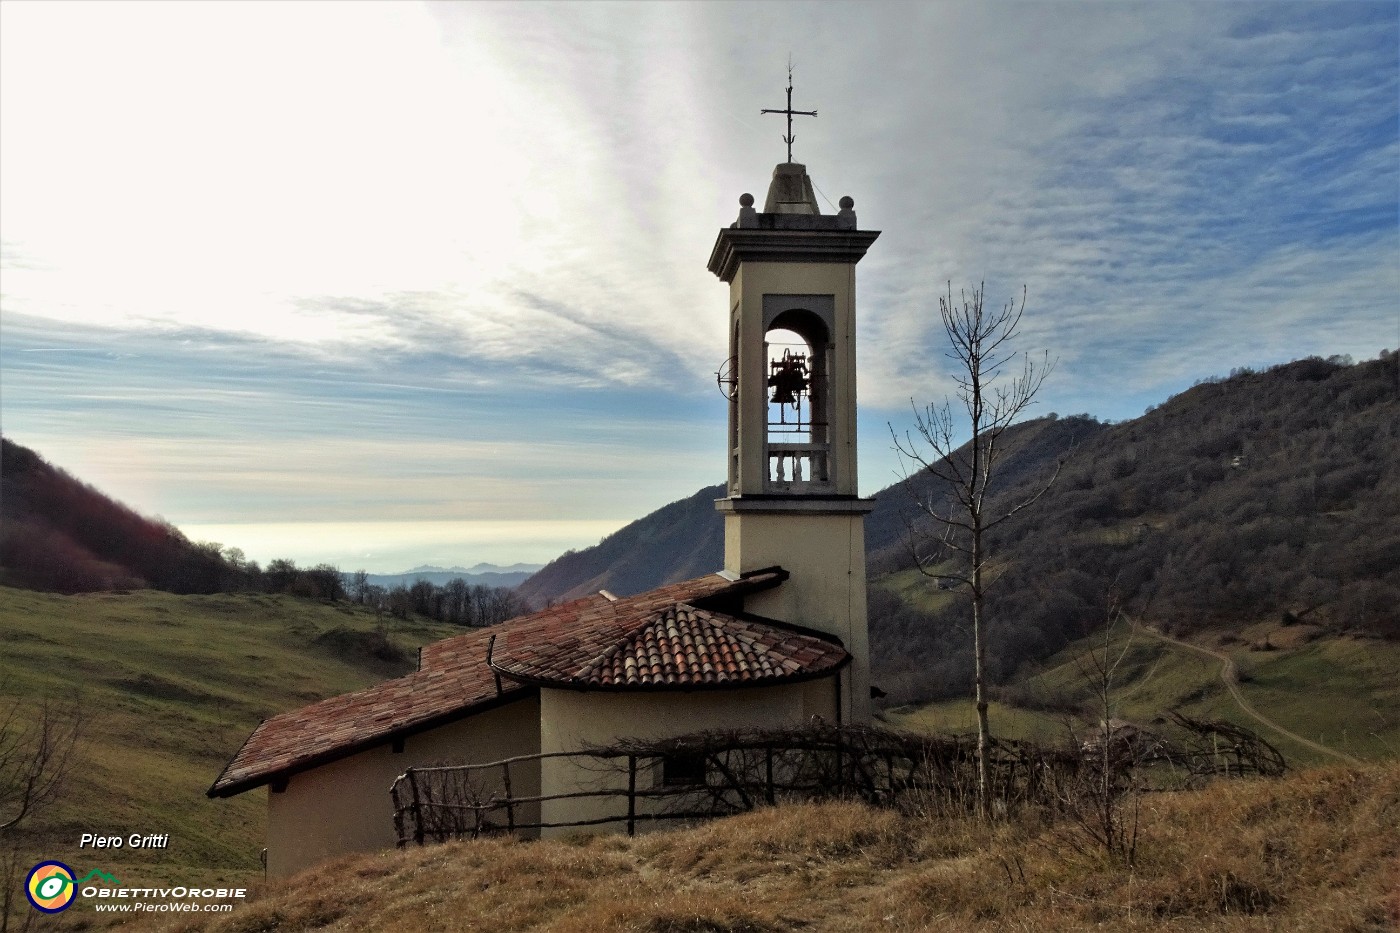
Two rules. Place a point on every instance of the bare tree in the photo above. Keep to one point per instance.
(1102, 799)
(359, 587)
(36, 754)
(456, 599)
(981, 346)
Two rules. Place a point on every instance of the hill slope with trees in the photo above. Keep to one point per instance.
(676, 542)
(686, 538)
(63, 535)
(1267, 495)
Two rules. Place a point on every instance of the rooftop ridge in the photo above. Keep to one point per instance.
(623, 642)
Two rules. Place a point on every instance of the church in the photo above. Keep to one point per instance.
(774, 638)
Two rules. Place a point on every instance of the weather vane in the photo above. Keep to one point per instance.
(790, 113)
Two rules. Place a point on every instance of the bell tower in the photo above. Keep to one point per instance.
(792, 497)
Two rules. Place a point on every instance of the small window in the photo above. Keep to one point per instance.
(683, 770)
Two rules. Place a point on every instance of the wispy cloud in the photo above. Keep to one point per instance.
(469, 239)
(1235, 196)
(209, 426)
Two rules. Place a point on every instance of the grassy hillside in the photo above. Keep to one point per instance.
(169, 687)
(1313, 851)
(1338, 692)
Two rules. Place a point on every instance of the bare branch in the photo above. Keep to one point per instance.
(36, 755)
(980, 343)
(1059, 465)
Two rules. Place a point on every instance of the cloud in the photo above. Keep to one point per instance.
(541, 183)
(208, 427)
(479, 231)
(1154, 217)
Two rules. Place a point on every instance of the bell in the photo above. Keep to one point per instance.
(789, 379)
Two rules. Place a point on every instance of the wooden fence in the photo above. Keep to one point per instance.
(703, 776)
(713, 774)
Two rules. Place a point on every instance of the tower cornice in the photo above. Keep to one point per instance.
(735, 245)
(796, 505)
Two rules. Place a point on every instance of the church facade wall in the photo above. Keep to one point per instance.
(570, 720)
(345, 806)
(825, 555)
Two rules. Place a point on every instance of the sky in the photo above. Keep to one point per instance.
(389, 284)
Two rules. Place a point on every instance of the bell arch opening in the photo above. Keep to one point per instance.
(797, 364)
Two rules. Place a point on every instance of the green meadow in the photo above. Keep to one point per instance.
(168, 688)
(1340, 692)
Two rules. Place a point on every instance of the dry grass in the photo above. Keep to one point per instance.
(1318, 850)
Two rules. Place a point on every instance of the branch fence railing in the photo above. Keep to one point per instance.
(712, 774)
(702, 776)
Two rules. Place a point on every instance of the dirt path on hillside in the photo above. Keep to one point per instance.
(1229, 675)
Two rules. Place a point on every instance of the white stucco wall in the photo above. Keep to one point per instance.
(345, 806)
(571, 720)
(825, 556)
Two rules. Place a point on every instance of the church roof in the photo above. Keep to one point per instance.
(352, 722)
(678, 647)
(683, 636)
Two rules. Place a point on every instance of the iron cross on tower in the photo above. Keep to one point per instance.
(790, 112)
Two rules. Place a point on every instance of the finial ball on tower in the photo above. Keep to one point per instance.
(746, 200)
(847, 202)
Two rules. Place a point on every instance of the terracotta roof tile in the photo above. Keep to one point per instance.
(659, 642)
(350, 722)
(674, 636)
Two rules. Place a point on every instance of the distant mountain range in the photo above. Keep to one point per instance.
(477, 568)
(482, 574)
(1265, 496)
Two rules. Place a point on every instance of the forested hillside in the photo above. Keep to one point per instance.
(686, 538)
(60, 534)
(1272, 495)
(1267, 495)
(678, 541)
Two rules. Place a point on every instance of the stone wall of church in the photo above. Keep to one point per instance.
(345, 806)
